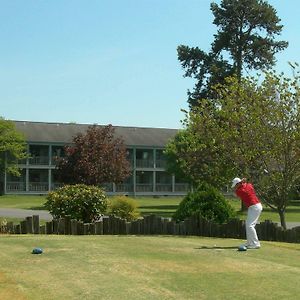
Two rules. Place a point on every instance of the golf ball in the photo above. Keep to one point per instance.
(242, 248)
(37, 251)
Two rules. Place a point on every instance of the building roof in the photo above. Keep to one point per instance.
(63, 133)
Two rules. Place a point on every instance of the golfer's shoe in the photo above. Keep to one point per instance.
(253, 246)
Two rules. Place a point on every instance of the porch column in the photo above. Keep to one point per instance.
(50, 155)
(27, 170)
(49, 180)
(49, 170)
(134, 171)
(173, 183)
(27, 180)
(5, 178)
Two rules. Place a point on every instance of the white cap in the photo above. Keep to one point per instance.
(235, 181)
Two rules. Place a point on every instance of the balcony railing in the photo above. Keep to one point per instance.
(38, 186)
(124, 187)
(163, 187)
(144, 188)
(15, 186)
(39, 160)
(56, 185)
(55, 160)
(181, 187)
(22, 161)
(108, 187)
(161, 163)
(144, 163)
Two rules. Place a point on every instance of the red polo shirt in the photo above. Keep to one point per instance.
(247, 193)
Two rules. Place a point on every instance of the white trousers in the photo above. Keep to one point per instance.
(254, 212)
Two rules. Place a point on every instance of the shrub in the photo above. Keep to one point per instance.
(124, 207)
(81, 202)
(206, 201)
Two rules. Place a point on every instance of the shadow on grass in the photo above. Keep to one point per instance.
(38, 208)
(216, 248)
(161, 207)
(159, 213)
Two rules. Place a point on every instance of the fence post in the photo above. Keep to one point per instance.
(67, 225)
(176, 229)
(29, 224)
(42, 229)
(10, 227)
(49, 227)
(242, 229)
(92, 228)
(146, 225)
(297, 234)
(74, 227)
(200, 226)
(23, 226)
(106, 226)
(55, 225)
(80, 228)
(86, 228)
(61, 226)
(141, 227)
(99, 227)
(128, 226)
(182, 228)
(165, 225)
(36, 224)
(158, 225)
(122, 226)
(17, 229)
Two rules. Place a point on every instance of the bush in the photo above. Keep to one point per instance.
(81, 202)
(124, 207)
(206, 201)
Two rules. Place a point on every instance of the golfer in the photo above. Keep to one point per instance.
(245, 191)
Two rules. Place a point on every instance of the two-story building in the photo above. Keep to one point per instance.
(46, 141)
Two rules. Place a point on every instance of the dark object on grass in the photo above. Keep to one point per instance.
(37, 251)
(242, 248)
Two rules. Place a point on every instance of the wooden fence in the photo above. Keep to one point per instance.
(152, 225)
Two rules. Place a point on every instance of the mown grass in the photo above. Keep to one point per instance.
(292, 212)
(163, 206)
(23, 201)
(139, 267)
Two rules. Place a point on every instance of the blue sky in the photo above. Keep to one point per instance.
(108, 61)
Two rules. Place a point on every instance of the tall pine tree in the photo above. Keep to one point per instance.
(246, 35)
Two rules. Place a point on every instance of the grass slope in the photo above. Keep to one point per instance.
(139, 267)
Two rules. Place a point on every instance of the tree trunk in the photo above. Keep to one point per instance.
(282, 218)
(243, 206)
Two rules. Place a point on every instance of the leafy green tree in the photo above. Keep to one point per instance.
(95, 158)
(12, 148)
(257, 129)
(246, 35)
(195, 156)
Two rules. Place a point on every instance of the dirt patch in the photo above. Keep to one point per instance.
(9, 289)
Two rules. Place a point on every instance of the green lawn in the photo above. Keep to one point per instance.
(22, 201)
(163, 206)
(292, 212)
(139, 267)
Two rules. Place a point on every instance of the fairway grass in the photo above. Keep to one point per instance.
(162, 206)
(140, 267)
(22, 201)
